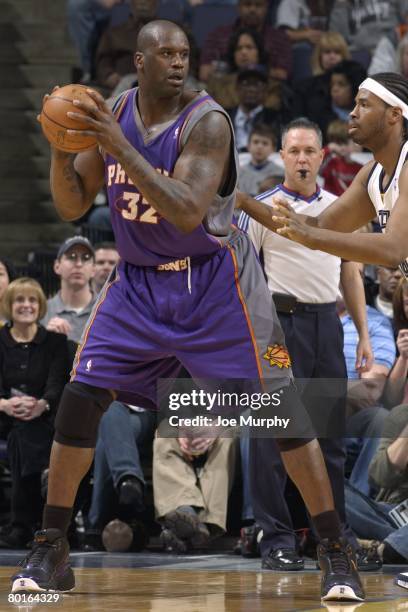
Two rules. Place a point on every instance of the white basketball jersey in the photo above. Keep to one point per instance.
(384, 200)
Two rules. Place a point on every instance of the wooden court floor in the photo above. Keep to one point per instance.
(174, 590)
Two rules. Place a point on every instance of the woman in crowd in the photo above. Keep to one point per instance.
(343, 80)
(245, 50)
(312, 95)
(396, 390)
(33, 370)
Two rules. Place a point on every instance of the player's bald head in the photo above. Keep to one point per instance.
(155, 32)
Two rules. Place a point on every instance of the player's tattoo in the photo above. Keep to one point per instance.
(71, 176)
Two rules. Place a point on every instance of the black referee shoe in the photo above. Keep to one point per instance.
(46, 567)
(340, 579)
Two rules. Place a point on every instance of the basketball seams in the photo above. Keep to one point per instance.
(64, 127)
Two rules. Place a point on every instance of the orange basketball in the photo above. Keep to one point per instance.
(55, 121)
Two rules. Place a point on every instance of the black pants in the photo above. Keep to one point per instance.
(28, 450)
(314, 337)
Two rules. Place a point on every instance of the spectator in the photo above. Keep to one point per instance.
(344, 80)
(304, 22)
(251, 14)
(388, 470)
(262, 143)
(311, 94)
(295, 17)
(192, 478)
(364, 395)
(124, 432)
(328, 52)
(33, 371)
(69, 310)
(363, 23)
(86, 21)
(338, 169)
(388, 58)
(396, 391)
(7, 274)
(251, 88)
(117, 46)
(245, 51)
(388, 279)
(381, 338)
(106, 258)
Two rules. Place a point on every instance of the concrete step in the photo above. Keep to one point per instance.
(36, 52)
(22, 146)
(21, 189)
(35, 167)
(23, 98)
(22, 120)
(36, 210)
(26, 76)
(13, 11)
(19, 239)
(31, 32)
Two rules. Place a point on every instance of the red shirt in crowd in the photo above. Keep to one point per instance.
(338, 172)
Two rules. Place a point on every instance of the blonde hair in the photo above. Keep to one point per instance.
(337, 131)
(328, 40)
(23, 284)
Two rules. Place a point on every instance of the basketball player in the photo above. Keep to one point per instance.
(379, 123)
(188, 289)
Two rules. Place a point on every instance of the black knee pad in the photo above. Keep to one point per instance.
(79, 412)
(288, 444)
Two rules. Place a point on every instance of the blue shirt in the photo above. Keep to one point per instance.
(381, 338)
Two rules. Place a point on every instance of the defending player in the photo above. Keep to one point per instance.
(379, 123)
(188, 289)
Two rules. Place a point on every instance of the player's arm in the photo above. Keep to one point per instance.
(343, 214)
(352, 287)
(387, 249)
(184, 198)
(75, 180)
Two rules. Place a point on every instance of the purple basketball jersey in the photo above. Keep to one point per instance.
(143, 237)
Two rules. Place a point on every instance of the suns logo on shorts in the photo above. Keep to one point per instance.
(278, 355)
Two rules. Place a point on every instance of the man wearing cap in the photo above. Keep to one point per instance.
(251, 88)
(69, 309)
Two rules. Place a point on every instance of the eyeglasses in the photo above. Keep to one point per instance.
(83, 257)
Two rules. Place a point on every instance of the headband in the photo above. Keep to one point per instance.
(384, 94)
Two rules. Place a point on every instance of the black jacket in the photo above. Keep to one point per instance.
(39, 368)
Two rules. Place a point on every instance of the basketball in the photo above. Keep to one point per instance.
(55, 122)
(117, 536)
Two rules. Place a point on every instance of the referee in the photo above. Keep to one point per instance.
(305, 284)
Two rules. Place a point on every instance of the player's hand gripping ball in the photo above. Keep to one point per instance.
(55, 121)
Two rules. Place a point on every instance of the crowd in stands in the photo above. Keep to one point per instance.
(272, 63)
